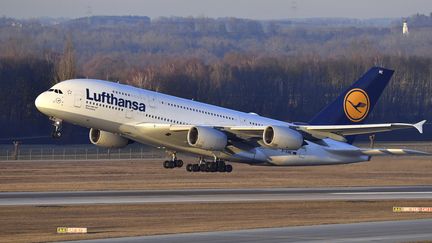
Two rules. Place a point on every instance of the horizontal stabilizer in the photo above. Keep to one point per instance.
(378, 152)
(383, 152)
(322, 131)
(419, 126)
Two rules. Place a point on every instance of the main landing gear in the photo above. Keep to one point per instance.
(57, 130)
(206, 166)
(173, 163)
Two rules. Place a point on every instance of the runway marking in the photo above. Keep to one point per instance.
(412, 209)
(385, 231)
(377, 193)
(209, 195)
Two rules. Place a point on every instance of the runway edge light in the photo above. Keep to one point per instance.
(412, 209)
(69, 230)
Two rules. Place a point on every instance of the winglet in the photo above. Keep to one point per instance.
(419, 126)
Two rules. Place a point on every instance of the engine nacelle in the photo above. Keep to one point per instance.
(282, 138)
(207, 138)
(107, 139)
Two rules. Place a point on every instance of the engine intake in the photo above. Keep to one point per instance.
(282, 138)
(107, 140)
(207, 138)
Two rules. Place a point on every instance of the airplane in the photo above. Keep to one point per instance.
(118, 115)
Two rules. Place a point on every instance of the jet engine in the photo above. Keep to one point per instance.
(107, 140)
(207, 138)
(282, 138)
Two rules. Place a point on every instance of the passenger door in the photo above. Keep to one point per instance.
(78, 100)
(152, 101)
(129, 113)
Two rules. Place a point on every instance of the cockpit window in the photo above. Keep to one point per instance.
(55, 91)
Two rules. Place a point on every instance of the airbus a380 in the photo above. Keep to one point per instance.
(119, 114)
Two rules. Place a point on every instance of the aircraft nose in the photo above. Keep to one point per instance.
(39, 102)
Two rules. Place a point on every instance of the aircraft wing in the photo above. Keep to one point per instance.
(336, 132)
(177, 134)
(246, 134)
(154, 132)
(252, 134)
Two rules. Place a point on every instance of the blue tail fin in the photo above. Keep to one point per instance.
(355, 104)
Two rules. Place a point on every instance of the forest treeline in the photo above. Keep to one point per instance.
(281, 71)
(146, 41)
(292, 89)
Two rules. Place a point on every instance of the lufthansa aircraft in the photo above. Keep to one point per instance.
(119, 114)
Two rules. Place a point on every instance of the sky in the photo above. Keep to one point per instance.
(253, 9)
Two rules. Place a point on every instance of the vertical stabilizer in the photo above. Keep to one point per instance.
(354, 105)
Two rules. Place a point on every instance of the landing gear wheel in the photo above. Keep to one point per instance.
(195, 168)
(203, 167)
(172, 164)
(189, 167)
(179, 163)
(221, 169)
(166, 164)
(208, 167)
(57, 130)
(228, 168)
(56, 134)
(213, 167)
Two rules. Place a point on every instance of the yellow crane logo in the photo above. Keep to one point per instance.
(356, 105)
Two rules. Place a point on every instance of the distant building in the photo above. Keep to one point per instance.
(405, 31)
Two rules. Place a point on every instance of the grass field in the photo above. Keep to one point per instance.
(149, 174)
(39, 223)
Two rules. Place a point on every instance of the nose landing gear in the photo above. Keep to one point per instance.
(57, 128)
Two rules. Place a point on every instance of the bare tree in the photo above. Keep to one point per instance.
(66, 67)
(138, 78)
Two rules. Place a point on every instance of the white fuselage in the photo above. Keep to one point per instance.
(118, 108)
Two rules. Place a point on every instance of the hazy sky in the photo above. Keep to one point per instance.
(255, 9)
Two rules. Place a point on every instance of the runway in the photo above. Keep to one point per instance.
(387, 231)
(214, 195)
